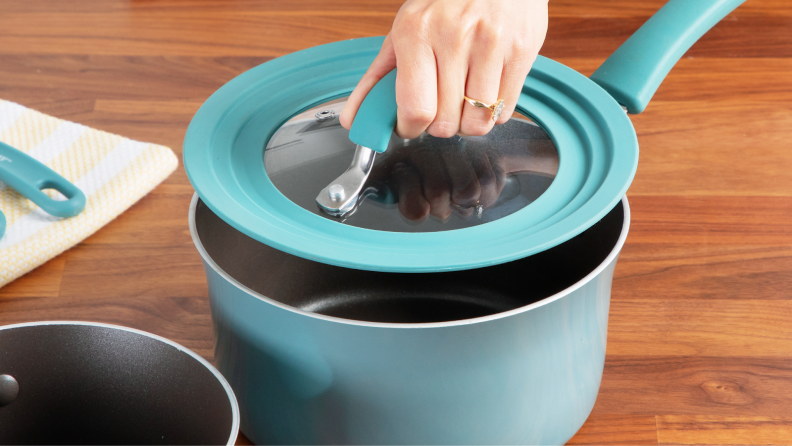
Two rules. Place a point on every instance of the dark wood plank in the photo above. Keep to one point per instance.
(648, 385)
(42, 283)
(699, 341)
(186, 33)
(645, 8)
(746, 36)
(714, 430)
(617, 430)
(272, 33)
(694, 249)
(685, 326)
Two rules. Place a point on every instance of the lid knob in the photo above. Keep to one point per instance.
(336, 192)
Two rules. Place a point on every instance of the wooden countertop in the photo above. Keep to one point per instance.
(700, 337)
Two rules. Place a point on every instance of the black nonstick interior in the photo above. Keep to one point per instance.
(87, 384)
(404, 297)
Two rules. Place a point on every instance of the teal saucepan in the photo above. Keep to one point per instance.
(367, 289)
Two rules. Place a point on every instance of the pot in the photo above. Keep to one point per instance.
(321, 354)
(91, 383)
(339, 318)
(584, 117)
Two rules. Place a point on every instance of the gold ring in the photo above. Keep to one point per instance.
(496, 109)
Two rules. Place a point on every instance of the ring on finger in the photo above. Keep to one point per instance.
(495, 109)
(477, 208)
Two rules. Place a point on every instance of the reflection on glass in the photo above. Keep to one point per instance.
(425, 184)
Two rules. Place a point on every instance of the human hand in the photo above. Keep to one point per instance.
(448, 49)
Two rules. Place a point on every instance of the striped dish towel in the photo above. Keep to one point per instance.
(113, 172)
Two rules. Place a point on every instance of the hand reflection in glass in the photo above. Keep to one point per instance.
(437, 176)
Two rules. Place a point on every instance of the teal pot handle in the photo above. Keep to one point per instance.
(29, 177)
(634, 72)
(376, 117)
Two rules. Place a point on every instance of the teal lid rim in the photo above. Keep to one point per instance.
(223, 149)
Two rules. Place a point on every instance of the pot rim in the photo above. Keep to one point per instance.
(547, 300)
(227, 387)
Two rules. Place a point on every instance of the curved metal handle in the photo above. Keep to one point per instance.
(634, 72)
(341, 196)
(376, 117)
(29, 177)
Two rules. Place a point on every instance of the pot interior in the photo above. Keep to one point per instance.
(404, 297)
(90, 384)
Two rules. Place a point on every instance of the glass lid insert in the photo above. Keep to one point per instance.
(425, 184)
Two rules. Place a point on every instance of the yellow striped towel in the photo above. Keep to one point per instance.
(113, 172)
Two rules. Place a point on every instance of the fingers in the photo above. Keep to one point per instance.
(435, 183)
(451, 73)
(416, 85)
(483, 84)
(515, 70)
(488, 181)
(383, 64)
(411, 201)
(465, 187)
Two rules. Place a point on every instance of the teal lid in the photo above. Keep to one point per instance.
(224, 155)
(596, 145)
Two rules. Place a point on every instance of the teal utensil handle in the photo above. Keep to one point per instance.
(2, 224)
(634, 72)
(376, 117)
(29, 177)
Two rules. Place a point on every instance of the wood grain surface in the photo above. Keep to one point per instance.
(700, 336)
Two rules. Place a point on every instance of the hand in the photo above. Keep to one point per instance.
(446, 49)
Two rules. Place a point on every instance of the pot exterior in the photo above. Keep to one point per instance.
(530, 377)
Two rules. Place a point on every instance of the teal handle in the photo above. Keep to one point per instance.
(376, 117)
(634, 72)
(2, 224)
(28, 177)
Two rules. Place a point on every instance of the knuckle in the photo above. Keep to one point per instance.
(489, 35)
(521, 48)
(453, 30)
(414, 212)
(468, 194)
(436, 196)
(467, 21)
(443, 128)
(417, 116)
(487, 179)
(411, 23)
(476, 127)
